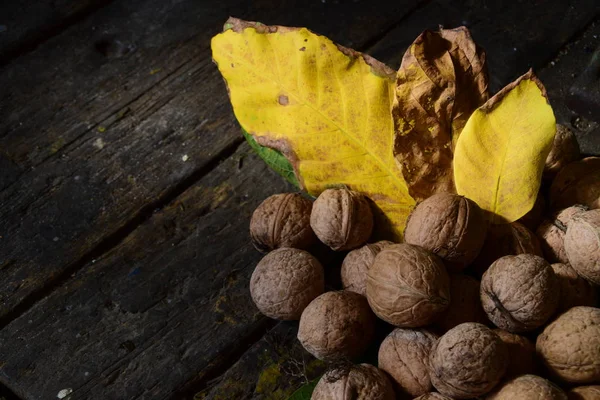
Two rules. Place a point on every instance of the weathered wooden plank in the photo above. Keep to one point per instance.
(26, 24)
(170, 301)
(107, 120)
(272, 369)
(560, 74)
(516, 35)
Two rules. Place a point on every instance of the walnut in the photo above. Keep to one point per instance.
(285, 281)
(360, 382)
(582, 245)
(357, 263)
(467, 361)
(282, 220)
(408, 286)
(403, 355)
(451, 226)
(577, 183)
(534, 217)
(337, 325)
(552, 232)
(570, 346)
(503, 240)
(585, 393)
(342, 219)
(565, 150)
(528, 387)
(465, 304)
(519, 293)
(574, 290)
(521, 353)
(433, 396)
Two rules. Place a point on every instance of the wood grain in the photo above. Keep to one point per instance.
(517, 35)
(115, 117)
(27, 24)
(169, 302)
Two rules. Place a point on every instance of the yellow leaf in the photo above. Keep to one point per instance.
(325, 107)
(500, 155)
(442, 80)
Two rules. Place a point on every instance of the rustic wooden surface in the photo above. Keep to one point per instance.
(25, 25)
(124, 267)
(92, 144)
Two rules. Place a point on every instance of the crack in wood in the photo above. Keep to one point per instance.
(121, 233)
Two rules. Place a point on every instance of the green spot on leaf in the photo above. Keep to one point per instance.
(274, 159)
(305, 392)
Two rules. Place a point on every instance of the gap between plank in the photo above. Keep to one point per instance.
(33, 40)
(211, 375)
(369, 44)
(115, 238)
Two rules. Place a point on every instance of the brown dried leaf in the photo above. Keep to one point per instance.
(442, 80)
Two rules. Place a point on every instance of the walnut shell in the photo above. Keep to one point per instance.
(521, 353)
(285, 281)
(356, 265)
(528, 387)
(433, 396)
(534, 217)
(467, 361)
(282, 220)
(337, 325)
(451, 226)
(403, 355)
(552, 232)
(408, 286)
(519, 293)
(503, 240)
(342, 219)
(582, 245)
(577, 183)
(585, 393)
(465, 304)
(360, 382)
(574, 290)
(570, 346)
(565, 150)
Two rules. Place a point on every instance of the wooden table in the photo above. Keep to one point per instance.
(126, 187)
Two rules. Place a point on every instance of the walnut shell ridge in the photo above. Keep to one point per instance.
(519, 293)
(342, 219)
(582, 245)
(356, 264)
(407, 286)
(574, 290)
(403, 355)
(336, 325)
(521, 354)
(570, 346)
(450, 226)
(465, 304)
(282, 220)
(503, 240)
(467, 361)
(433, 396)
(565, 150)
(361, 382)
(585, 393)
(551, 233)
(528, 387)
(285, 281)
(577, 183)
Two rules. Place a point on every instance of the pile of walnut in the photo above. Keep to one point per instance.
(475, 311)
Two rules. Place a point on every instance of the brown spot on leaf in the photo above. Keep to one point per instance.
(302, 48)
(283, 100)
